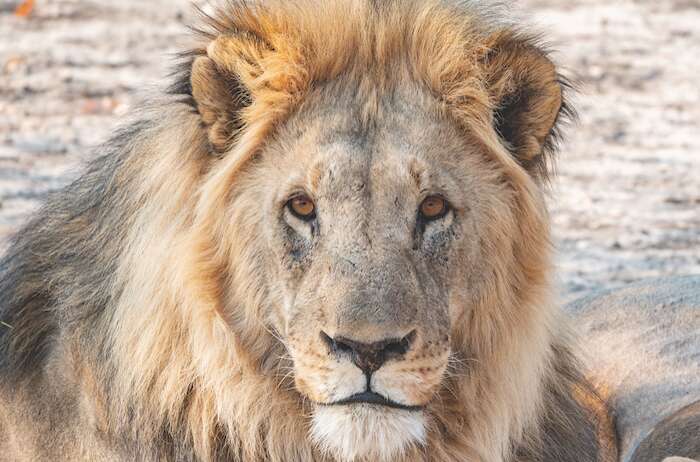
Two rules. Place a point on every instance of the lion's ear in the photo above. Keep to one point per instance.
(527, 94)
(220, 86)
(220, 97)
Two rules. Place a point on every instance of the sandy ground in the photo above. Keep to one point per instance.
(626, 204)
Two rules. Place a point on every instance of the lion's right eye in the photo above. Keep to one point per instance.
(433, 207)
(302, 207)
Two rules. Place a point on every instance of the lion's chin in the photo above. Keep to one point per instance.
(360, 432)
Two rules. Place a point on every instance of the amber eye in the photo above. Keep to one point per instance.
(302, 207)
(433, 207)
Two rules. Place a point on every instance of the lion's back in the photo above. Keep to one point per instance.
(643, 342)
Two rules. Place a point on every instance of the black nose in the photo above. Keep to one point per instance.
(370, 356)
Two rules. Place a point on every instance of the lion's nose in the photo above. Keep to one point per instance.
(370, 356)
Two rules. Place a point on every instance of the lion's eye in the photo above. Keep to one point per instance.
(302, 207)
(433, 207)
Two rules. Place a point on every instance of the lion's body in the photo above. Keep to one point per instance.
(69, 354)
(643, 345)
(167, 306)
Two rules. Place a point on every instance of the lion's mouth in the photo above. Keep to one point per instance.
(370, 397)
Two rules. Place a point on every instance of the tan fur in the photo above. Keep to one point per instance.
(200, 334)
(596, 403)
(277, 53)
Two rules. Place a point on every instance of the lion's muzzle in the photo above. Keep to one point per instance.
(369, 357)
(369, 332)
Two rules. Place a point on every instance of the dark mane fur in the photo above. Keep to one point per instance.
(58, 271)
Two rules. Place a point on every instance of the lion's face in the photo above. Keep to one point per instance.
(375, 231)
(375, 235)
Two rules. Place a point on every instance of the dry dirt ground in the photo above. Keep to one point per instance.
(625, 206)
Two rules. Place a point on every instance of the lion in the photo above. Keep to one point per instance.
(327, 241)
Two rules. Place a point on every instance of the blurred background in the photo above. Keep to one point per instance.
(625, 204)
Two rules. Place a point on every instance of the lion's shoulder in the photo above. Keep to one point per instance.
(643, 342)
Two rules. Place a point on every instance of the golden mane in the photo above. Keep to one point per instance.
(276, 52)
(190, 359)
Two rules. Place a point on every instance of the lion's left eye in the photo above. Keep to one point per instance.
(302, 207)
(433, 207)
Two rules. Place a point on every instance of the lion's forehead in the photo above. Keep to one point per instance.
(386, 163)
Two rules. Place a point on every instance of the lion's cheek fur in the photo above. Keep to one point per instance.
(415, 382)
(366, 432)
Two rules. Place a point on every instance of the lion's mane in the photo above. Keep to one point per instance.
(130, 287)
